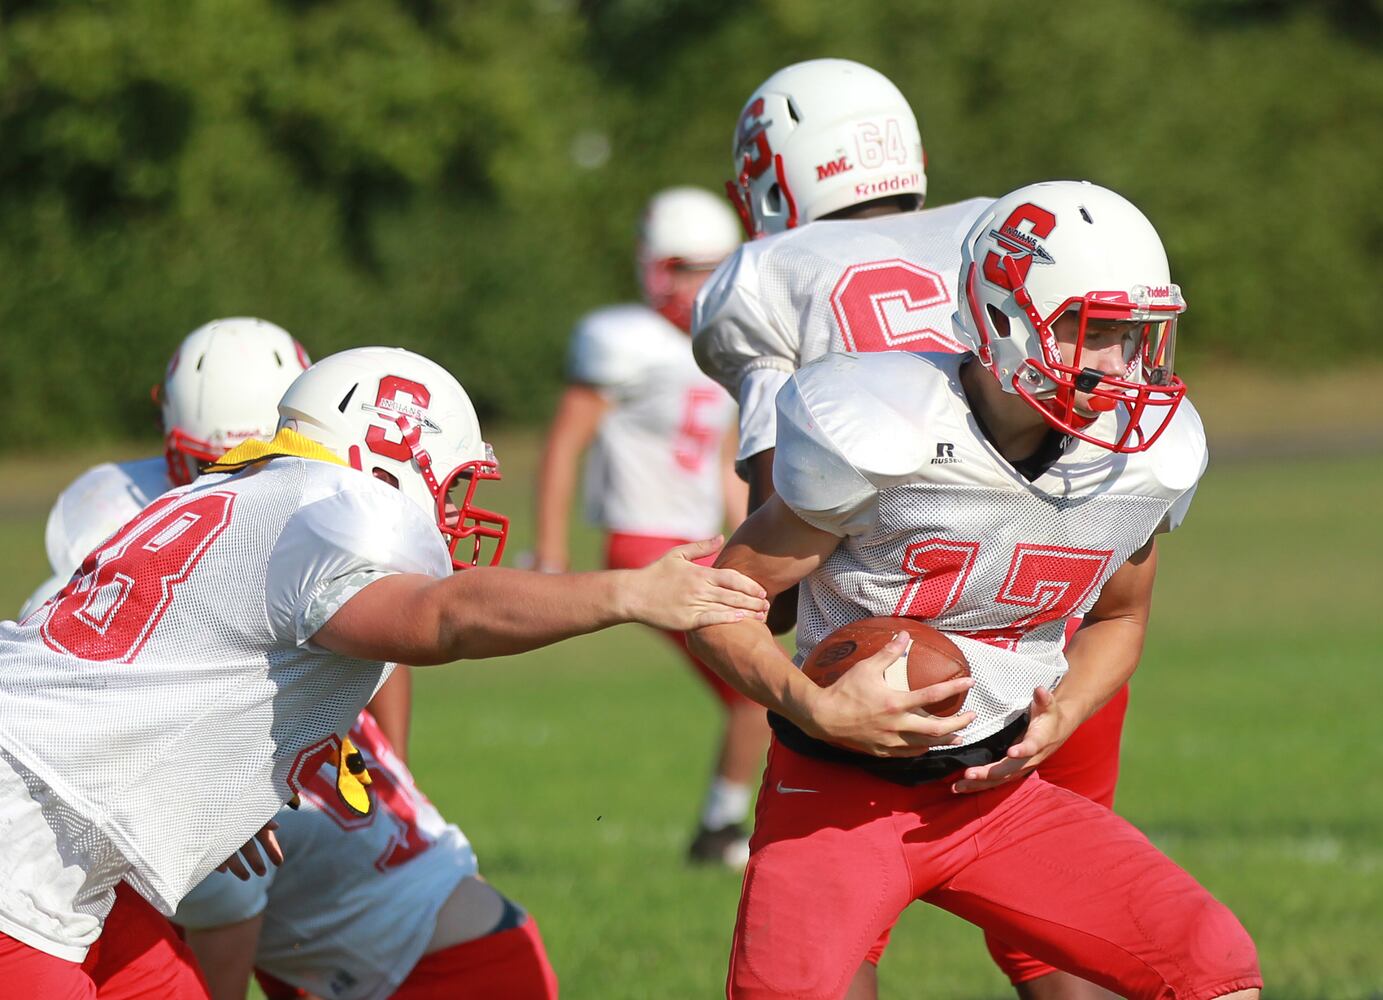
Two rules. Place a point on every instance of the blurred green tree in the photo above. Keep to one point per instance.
(464, 178)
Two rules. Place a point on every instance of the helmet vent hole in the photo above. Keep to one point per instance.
(998, 320)
(793, 113)
(1084, 214)
(278, 360)
(200, 359)
(341, 407)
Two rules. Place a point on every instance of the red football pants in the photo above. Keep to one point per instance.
(511, 964)
(837, 854)
(637, 551)
(138, 956)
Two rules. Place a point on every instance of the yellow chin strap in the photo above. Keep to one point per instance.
(285, 444)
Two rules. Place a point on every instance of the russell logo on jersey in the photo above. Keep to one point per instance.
(945, 454)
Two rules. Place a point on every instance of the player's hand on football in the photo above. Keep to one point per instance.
(675, 593)
(862, 712)
(1048, 728)
(251, 856)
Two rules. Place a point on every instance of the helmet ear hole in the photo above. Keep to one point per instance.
(773, 200)
(997, 320)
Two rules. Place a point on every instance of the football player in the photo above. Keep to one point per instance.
(993, 494)
(221, 387)
(190, 676)
(658, 470)
(386, 904)
(829, 171)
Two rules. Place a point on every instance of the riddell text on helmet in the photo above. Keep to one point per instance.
(898, 182)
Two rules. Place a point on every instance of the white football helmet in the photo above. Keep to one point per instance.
(405, 420)
(221, 387)
(686, 229)
(819, 136)
(1061, 246)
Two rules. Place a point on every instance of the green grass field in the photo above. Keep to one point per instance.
(1252, 754)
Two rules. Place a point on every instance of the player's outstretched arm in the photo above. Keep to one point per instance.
(1102, 655)
(777, 548)
(486, 612)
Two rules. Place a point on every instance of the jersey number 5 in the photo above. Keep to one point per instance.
(891, 305)
(110, 608)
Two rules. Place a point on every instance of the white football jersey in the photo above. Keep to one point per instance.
(167, 701)
(885, 284)
(353, 906)
(654, 467)
(883, 451)
(97, 502)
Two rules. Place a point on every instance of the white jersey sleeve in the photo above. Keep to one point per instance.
(222, 899)
(334, 547)
(602, 352)
(758, 412)
(734, 331)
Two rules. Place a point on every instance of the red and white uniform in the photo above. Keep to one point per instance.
(885, 284)
(864, 285)
(351, 910)
(654, 467)
(97, 502)
(163, 706)
(882, 450)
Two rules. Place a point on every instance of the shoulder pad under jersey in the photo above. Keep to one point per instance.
(348, 522)
(614, 346)
(1178, 460)
(850, 425)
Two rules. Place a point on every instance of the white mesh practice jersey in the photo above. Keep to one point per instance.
(170, 695)
(654, 467)
(882, 450)
(352, 908)
(885, 284)
(97, 502)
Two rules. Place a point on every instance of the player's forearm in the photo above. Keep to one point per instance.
(1102, 656)
(747, 658)
(499, 612)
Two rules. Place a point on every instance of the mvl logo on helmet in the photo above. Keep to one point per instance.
(836, 167)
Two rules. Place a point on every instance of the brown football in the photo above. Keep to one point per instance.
(931, 659)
